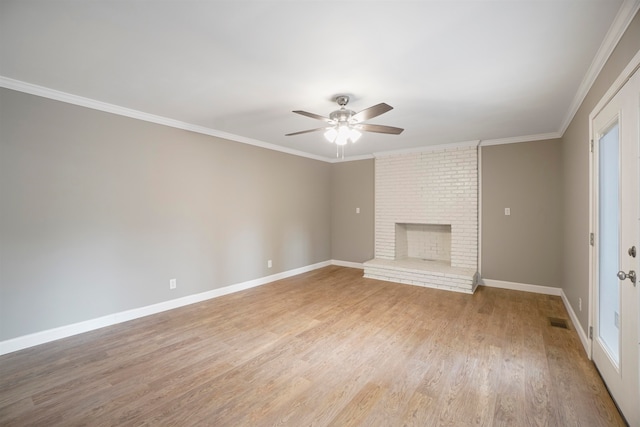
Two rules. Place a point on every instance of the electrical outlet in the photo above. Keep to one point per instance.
(173, 283)
(507, 211)
(269, 264)
(580, 304)
(357, 210)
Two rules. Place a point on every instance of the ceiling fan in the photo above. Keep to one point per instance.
(344, 125)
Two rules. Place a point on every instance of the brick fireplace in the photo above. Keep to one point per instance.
(426, 227)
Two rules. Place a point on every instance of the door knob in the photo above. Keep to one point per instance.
(631, 275)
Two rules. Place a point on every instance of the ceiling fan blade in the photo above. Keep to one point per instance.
(314, 116)
(371, 112)
(305, 131)
(379, 129)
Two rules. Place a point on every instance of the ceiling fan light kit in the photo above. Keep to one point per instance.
(346, 125)
(342, 135)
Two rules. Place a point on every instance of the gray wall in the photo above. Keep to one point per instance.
(525, 247)
(352, 234)
(575, 184)
(99, 211)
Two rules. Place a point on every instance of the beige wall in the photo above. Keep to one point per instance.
(352, 234)
(99, 211)
(525, 247)
(575, 183)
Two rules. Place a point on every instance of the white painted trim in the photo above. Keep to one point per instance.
(353, 158)
(347, 264)
(517, 139)
(625, 15)
(140, 115)
(427, 148)
(43, 337)
(584, 338)
(25, 341)
(591, 304)
(536, 289)
(478, 143)
(624, 76)
(81, 101)
(479, 207)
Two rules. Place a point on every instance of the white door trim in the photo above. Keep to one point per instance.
(624, 76)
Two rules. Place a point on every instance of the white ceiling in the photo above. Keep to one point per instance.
(454, 71)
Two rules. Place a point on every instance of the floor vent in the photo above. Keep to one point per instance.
(558, 323)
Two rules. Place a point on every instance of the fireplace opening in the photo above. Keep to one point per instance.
(425, 242)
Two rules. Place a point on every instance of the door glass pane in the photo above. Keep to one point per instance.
(609, 292)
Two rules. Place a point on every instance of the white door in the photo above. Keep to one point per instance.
(616, 136)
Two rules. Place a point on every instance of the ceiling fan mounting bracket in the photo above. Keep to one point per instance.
(342, 100)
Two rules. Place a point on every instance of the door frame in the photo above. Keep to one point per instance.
(626, 74)
(632, 68)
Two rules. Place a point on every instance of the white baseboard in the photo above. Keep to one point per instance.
(584, 338)
(49, 335)
(536, 289)
(26, 341)
(347, 264)
(546, 290)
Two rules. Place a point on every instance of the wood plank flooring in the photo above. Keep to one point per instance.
(326, 348)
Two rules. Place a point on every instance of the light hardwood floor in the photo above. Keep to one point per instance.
(324, 348)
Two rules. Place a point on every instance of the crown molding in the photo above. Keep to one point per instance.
(622, 20)
(81, 101)
(625, 15)
(473, 143)
(427, 148)
(352, 158)
(517, 139)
